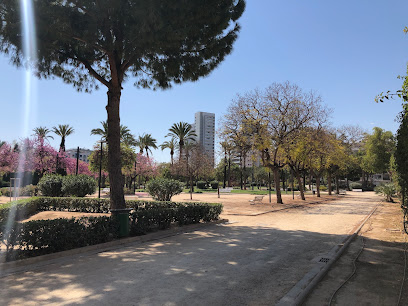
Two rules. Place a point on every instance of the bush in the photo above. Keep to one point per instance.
(48, 236)
(201, 185)
(214, 185)
(41, 237)
(128, 191)
(78, 185)
(323, 188)
(27, 191)
(163, 189)
(388, 190)
(86, 205)
(356, 185)
(161, 215)
(20, 209)
(51, 185)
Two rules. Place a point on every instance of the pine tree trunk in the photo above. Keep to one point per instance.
(300, 183)
(117, 199)
(318, 185)
(276, 178)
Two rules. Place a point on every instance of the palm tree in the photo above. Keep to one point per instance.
(146, 142)
(170, 145)
(42, 132)
(184, 132)
(125, 135)
(63, 131)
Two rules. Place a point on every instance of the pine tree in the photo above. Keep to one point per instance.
(159, 43)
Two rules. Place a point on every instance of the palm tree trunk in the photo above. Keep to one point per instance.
(117, 199)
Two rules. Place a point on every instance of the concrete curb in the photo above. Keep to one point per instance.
(17, 266)
(298, 294)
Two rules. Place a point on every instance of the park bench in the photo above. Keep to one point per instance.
(257, 199)
(106, 190)
(226, 190)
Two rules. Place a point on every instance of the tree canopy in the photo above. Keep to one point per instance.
(158, 43)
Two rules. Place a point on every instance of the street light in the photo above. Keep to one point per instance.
(100, 168)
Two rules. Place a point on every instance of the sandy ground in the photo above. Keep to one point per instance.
(379, 253)
(252, 260)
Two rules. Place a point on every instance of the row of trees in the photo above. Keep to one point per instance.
(35, 155)
(289, 128)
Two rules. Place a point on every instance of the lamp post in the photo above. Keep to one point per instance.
(77, 162)
(100, 169)
(134, 183)
(225, 168)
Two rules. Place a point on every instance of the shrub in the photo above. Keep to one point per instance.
(356, 185)
(78, 185)
(41, 237)
(388, 190)
(214, 185)
(47, 236)
(323, 188)
(201, 185)
(51, 185)
(27, 191)
(163, 189)
(161, 215)
(20, 209)
(86, 205)
(128, 191)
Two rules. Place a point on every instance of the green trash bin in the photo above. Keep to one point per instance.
(122, 216)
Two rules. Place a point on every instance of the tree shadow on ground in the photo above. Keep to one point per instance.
(221, 265)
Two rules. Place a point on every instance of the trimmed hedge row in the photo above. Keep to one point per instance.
(151, 218)
(42, 237)
(20, 209)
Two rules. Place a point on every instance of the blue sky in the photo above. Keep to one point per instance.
(347, 51)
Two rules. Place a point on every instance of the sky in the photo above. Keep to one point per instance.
(347, 51)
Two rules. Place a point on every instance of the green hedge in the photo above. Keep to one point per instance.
(28, 207)
(42, 237)
(22, 209)
(153, 217)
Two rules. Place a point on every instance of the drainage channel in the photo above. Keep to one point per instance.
(305, 286)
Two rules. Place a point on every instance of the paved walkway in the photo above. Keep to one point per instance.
(253, 260)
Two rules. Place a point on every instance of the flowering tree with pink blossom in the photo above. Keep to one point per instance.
(70, 165)
(145, 168)
(8, 159)
(39, 156)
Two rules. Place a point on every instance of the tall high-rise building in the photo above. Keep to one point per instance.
(204, 126)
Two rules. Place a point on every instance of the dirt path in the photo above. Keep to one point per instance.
(253, 260)
(379, 267)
